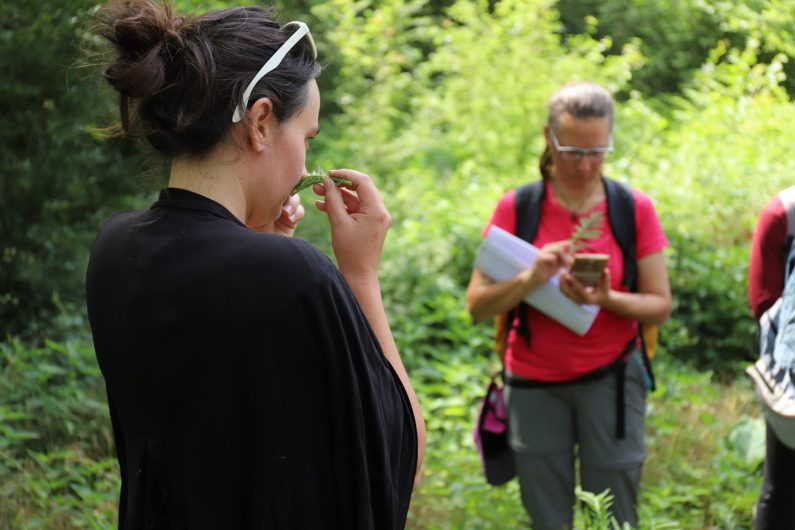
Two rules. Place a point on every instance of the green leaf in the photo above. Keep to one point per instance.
(317, 178)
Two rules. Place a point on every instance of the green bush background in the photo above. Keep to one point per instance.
(443, 103)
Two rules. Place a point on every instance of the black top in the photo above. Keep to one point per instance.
(246, 387)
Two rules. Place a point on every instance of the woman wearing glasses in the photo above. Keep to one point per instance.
(574, 397)
(251, 383)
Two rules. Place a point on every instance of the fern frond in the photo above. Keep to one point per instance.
(590, 227)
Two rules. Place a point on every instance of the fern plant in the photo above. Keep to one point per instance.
(588, 228)
(594, 511)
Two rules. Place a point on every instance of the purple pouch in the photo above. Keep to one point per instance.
(491, 437)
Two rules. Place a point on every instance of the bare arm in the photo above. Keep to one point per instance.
(487, 298)
(651, 304)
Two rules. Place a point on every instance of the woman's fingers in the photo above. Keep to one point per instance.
(366, 190)
(582, 294)
(292, 212)
(561, 251)
(349, 198)
(334, 204)
(291, 205)
(359, 221)
(571, 288)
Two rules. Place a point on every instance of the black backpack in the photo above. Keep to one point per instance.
(621, 217)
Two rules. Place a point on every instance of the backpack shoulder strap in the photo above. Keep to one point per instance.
(789, 251)
(621, 216)
(787, 198)
(528, 216)
(528, 209)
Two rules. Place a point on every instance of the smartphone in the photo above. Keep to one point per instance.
(588, 268)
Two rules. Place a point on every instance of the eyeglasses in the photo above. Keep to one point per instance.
(576, 153)
(274, 61)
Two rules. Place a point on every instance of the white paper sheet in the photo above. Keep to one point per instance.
(502, 256)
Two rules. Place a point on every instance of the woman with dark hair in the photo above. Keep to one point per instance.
(572, 397)
(251, 383)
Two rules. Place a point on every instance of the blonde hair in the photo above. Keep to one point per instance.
(580, 100)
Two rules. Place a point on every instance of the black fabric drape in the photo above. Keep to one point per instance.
(246, 388)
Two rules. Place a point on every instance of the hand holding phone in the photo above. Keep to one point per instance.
(588, 268)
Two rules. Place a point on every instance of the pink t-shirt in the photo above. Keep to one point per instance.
(555, 353)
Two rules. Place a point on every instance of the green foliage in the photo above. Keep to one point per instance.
(593, 511)
(711, 324)
(55, 439)
(676, 37)
(747, 441)
(703, 468)
(453, 493)
(588, 228)
(443, 103)
(451, 117)
(52, 394)
(57, 181)
(316, 178)
(60, 490)
(711, 166)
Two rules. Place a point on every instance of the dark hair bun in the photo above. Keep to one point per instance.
(141, 32)
(180, 79)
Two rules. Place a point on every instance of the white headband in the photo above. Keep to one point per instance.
(273, 62)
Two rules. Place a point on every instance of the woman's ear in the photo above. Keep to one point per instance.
(261, 122)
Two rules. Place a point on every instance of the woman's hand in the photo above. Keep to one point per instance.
(596, 295)
(487, 298)
(292, 212)
(359, 222)
(550, 260)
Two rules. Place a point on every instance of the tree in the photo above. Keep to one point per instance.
(57, 180)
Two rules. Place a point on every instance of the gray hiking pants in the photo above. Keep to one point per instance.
(550, 427)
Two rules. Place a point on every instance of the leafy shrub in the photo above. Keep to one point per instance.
(711, 164)
(57, 181)
(54, 490)
(705, 440)
(676, 37)
(52, 396)
(444, 106)
(55, 438)
(452, 117)
(711, 324)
